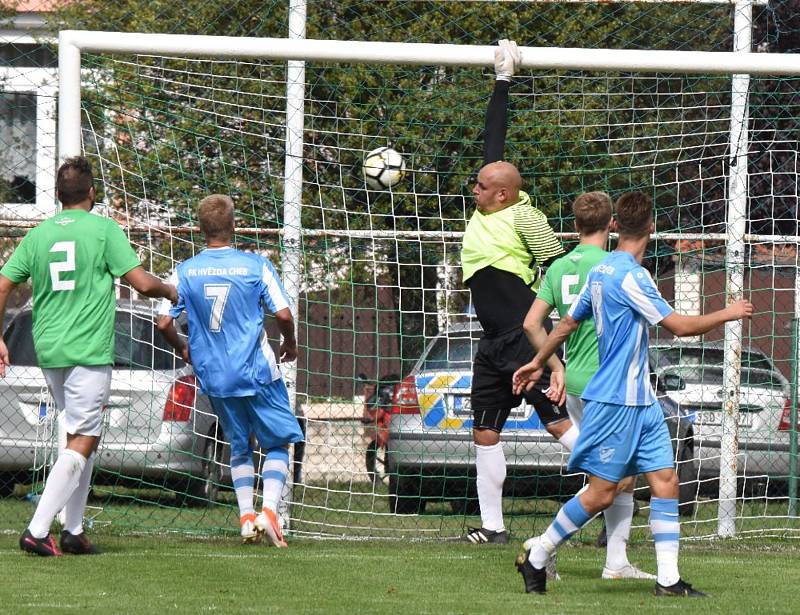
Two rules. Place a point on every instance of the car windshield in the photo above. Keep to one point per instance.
(698, 357)
(138, 344)
(452, 352)
(713, 375)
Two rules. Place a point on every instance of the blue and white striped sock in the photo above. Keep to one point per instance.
(570, 519)
(243, 475)
(666, 532)
(276, 467)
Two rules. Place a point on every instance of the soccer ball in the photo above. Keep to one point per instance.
(383, 168)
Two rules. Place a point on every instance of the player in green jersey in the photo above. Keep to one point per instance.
(561, 285)
(72, 260)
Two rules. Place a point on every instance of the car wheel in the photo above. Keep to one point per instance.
(204, 489)
(467, 507)
(466, 502)
(8, 481)
(687, 476)
(404, 495)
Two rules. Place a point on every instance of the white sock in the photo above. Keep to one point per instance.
(569, 519)
(75, 507)
(61, 483)
(276, 468)
(570, 437)
(490, 463)
(243, 476)
(618, 530)
(666, 533)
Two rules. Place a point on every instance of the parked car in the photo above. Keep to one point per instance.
(158, 428)
(430, 453)
(764, 406)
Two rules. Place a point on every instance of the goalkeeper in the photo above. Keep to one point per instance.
(72, 260)
(507, 239)
(224, 292)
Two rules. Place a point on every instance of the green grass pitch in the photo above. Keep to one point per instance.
(173, 574)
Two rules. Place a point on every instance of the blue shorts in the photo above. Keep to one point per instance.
(618, 441)
(266, 414)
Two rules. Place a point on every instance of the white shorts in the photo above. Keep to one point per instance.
(82, 393)
(575, 409)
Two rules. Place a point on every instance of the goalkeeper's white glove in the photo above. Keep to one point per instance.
(507, 59)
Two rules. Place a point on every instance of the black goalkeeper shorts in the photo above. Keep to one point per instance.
(492, 397)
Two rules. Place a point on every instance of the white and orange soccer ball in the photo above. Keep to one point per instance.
(383, 168)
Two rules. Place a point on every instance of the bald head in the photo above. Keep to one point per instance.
(497, 187)
(504, 174)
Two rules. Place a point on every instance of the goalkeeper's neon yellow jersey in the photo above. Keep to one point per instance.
(514, 239)
(72, 260)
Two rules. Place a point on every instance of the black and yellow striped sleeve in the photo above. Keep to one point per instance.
(533, 229)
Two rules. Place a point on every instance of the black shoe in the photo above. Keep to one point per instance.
(77, 544)
(535, 578)
(479, 536)
(46, 547)
(681, 588)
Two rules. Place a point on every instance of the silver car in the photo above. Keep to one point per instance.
(764, 407)
(430, 454)
(158, 427)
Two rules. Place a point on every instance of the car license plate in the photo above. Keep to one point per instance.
(460, 405)
(707, 417)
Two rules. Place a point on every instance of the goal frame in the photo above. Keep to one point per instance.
(297, 50)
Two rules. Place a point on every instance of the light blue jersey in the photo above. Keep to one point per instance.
(625, 301)
(224, 293)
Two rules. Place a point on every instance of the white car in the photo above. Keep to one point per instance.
(159, 430)
(764, 406)
(430, 455)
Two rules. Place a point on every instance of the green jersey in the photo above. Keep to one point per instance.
(72, 260)
(513, 239)
(564, 280)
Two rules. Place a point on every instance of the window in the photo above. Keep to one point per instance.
(138, 344)
(453, 352)
(18, 147)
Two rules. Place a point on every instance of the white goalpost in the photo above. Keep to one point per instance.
(565, 85)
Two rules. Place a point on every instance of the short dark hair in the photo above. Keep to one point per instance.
(592, 211)
(74, 180)
(634, 214)
(216, 216)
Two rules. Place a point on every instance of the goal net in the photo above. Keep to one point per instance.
(386, 336)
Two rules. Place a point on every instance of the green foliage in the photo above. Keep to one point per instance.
(432, 115)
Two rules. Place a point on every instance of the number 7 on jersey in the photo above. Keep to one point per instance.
(218, 293)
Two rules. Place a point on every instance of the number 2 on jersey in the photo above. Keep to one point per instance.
(218, 293)
(66, 265)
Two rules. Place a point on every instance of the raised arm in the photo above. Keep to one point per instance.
(681, 325)
(507, 59)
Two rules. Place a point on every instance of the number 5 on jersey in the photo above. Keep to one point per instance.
(218, 294)
(569, 289)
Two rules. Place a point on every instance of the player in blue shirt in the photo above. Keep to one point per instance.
(224, 293)
(623, 431)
